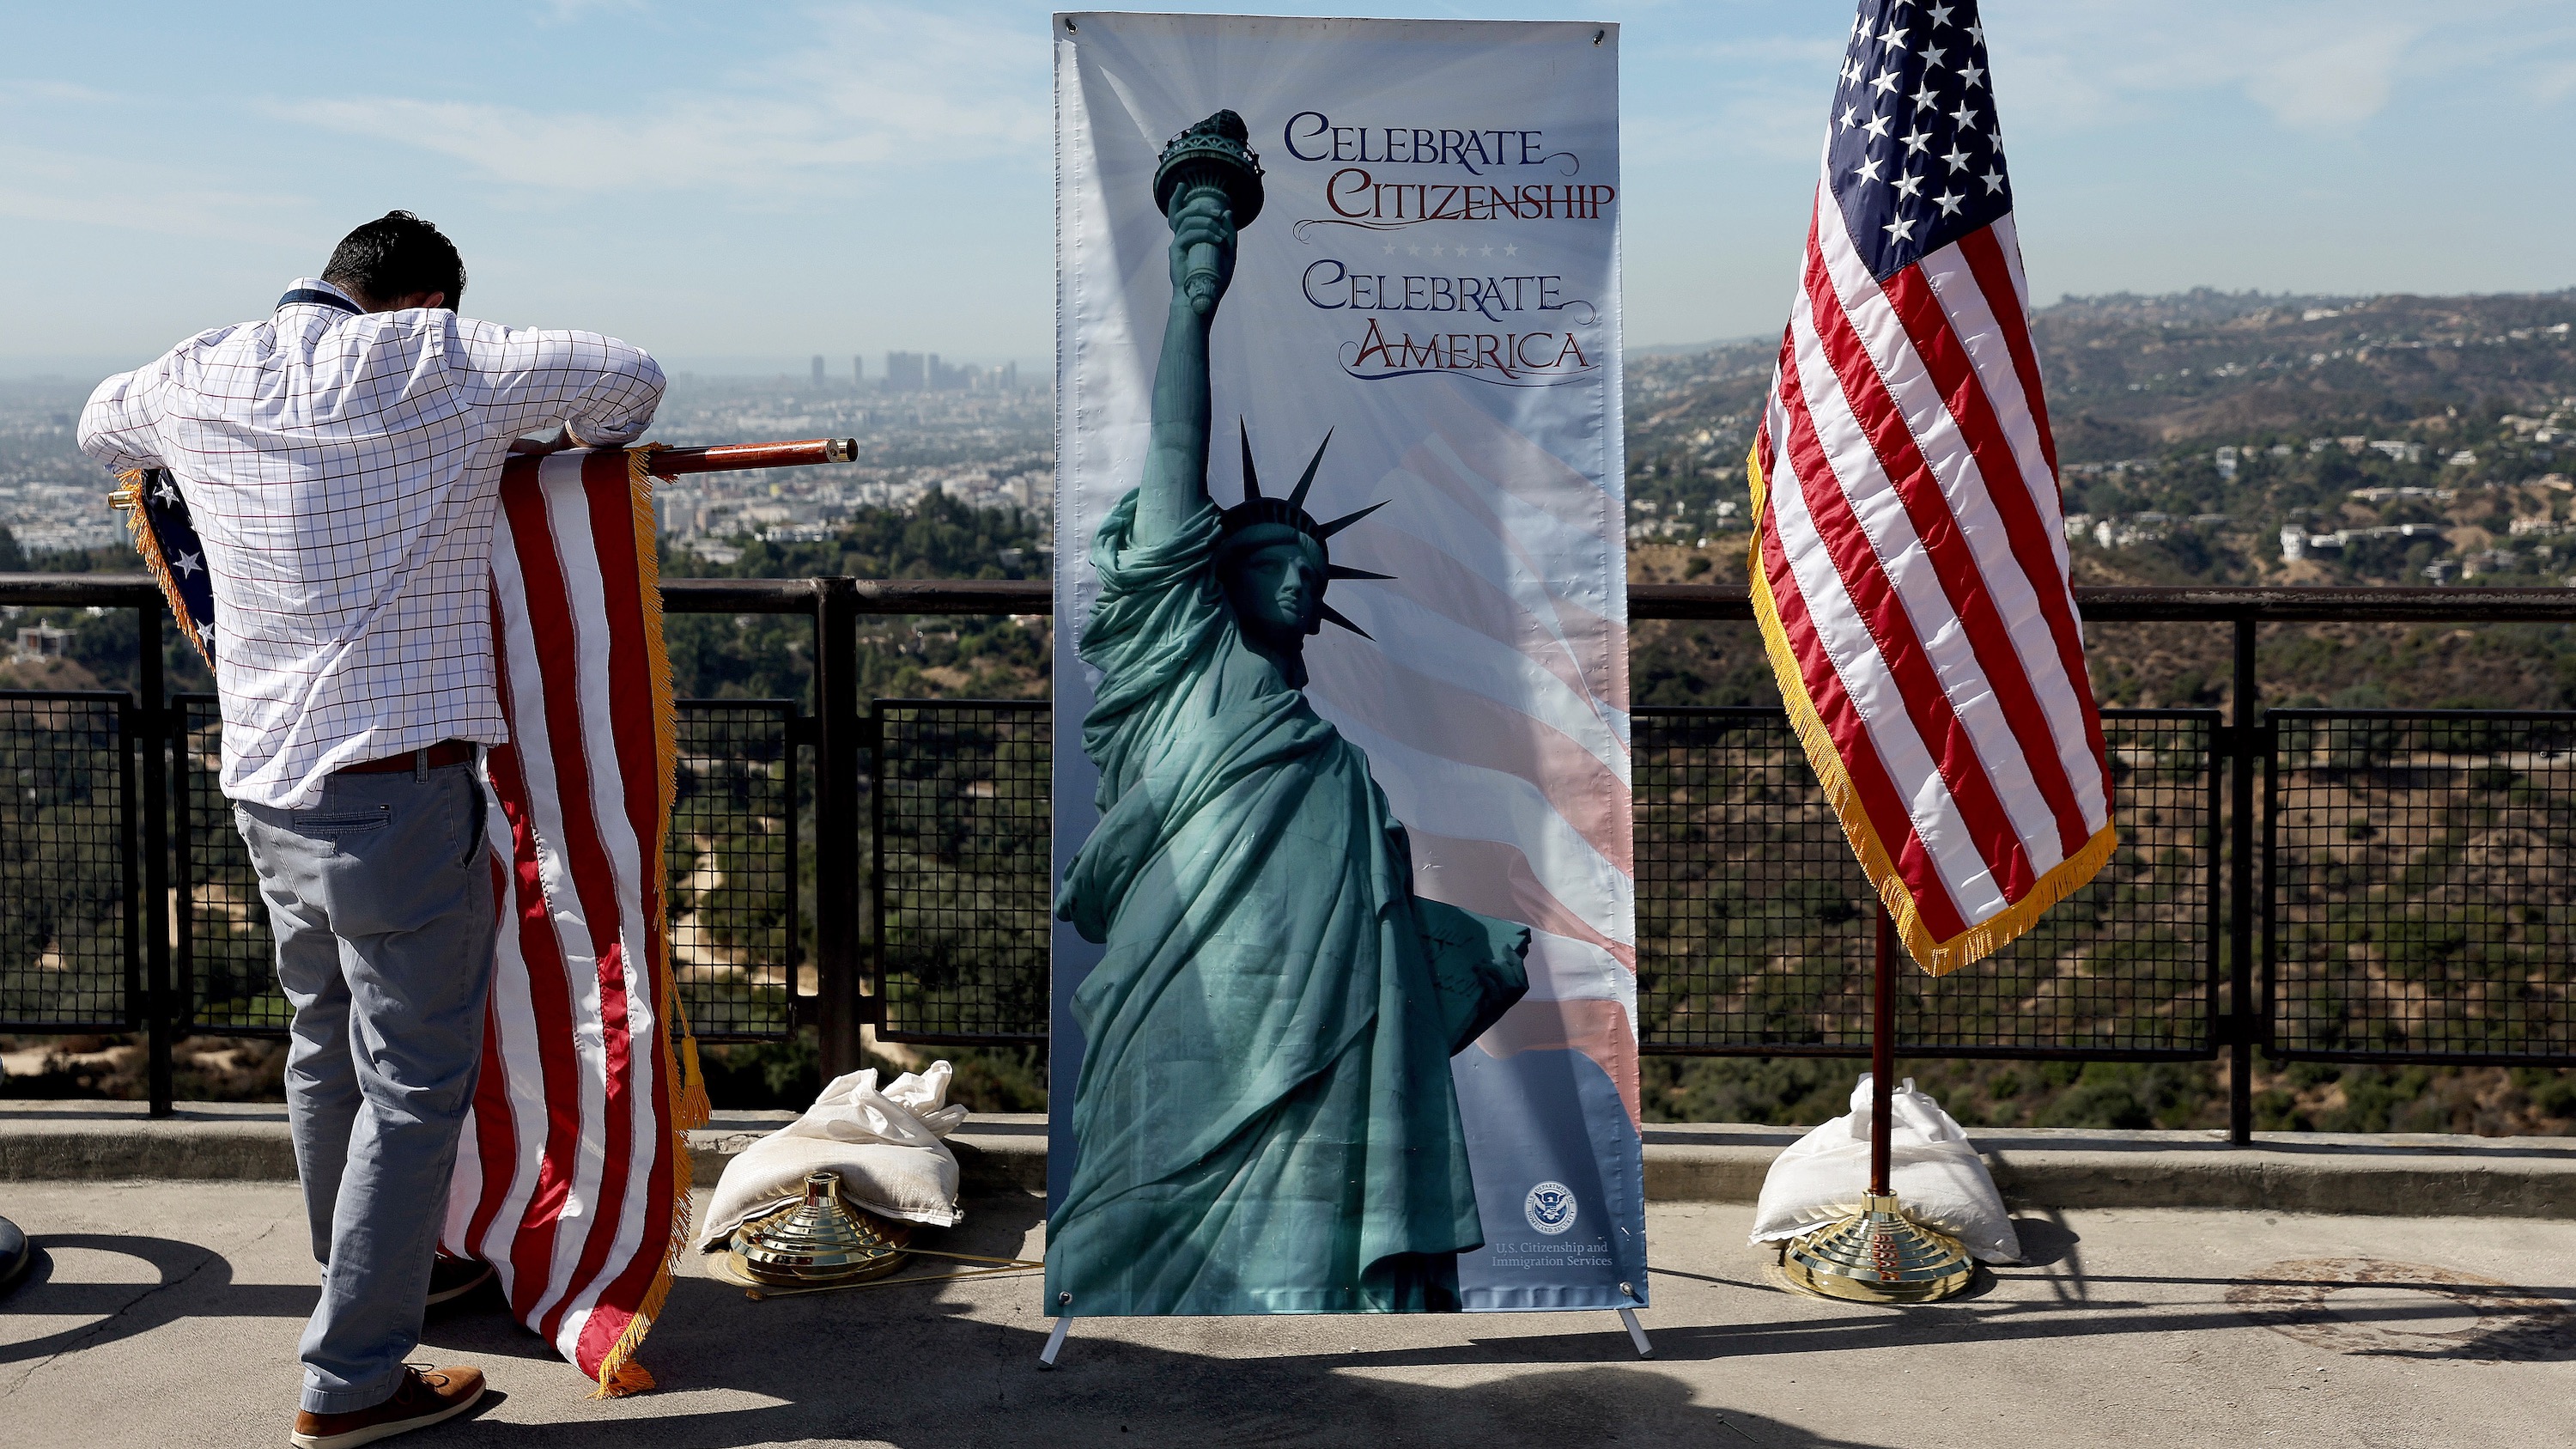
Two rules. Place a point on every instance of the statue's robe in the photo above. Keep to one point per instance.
(1264, 1115)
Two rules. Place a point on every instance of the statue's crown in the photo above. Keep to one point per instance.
(1216, 152)
(1257, 509)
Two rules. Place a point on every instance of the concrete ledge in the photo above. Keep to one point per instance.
(2399, 1175)
(99, 1141)
(92, 1141)
(2392, 1174)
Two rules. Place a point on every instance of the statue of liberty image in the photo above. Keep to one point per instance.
(1264, 1110)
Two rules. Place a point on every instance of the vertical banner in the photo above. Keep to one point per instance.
(1345, 965)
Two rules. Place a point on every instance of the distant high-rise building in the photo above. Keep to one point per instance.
(818, 369)
(858, 369)
(905, 373)
(1008, 378)
(941, 377)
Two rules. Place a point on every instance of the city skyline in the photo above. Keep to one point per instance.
(740, 192)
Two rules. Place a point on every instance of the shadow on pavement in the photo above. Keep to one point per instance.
(193, 1282)
(1113, 1393)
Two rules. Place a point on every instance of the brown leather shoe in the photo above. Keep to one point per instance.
(422, 1399)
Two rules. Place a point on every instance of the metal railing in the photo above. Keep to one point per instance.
(2379, 885)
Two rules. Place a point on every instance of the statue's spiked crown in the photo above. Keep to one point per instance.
(1260, 511)
(1215, 152)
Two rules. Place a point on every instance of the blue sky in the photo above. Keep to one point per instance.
(740, 186)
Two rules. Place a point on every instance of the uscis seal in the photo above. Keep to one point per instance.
(1549, 1207)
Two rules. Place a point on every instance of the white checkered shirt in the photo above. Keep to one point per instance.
(344, 473)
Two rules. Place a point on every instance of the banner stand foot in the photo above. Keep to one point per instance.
(1055, 1336)
(1636, 1333)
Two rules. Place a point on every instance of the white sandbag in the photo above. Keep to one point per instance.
(1935, 1172)
(885, 1145)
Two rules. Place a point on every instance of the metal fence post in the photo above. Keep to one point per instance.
(152, 730)
(2244, 710)
(837, 943)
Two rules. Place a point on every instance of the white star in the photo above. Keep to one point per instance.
(1885, 83)
(1851, 117)
(1900, 230)
(1414, 250)
(1916, 140)
(1941, 15)
(1932, 55)
(1966, 116)
(1489, 249)
(1877, 127)
(1958, 157)
(1851, 71)
(1977, 33)
(1511, 251)
(1994, 180)
(167, 493)
(187, 565)
(1891, 37)
(1906, 186)
(1867, 171)
(1390, 249)
(1972, 74)
(1923, 96)
(1435, 251)
(206, 635)
(1948, 201)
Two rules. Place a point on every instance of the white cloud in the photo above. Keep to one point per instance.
(877, 86)
(124, 194)
(2319, 66)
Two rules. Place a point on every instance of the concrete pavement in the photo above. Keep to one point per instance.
(165, 1313)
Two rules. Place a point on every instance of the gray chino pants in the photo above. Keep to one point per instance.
(381, 900)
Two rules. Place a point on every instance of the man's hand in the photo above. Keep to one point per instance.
(1202, 224)
(539, 447)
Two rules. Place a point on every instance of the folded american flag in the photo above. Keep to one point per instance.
(572, 1178)
(1909, 566)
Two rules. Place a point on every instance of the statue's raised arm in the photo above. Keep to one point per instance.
(1209, 186)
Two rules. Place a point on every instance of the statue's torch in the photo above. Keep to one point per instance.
(1214, 155)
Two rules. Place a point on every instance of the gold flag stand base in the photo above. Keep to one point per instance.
(1877, 1255)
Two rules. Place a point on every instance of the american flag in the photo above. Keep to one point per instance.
(1909, 566)
(573, 1176)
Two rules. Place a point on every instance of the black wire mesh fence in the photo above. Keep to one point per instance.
(736, 946)
(732, 861)
(69, 957)
(227, 960)
(2422, 869)
(1754, 920)
(2419, 892)
(962, 810)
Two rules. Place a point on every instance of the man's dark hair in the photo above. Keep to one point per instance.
(394, 256)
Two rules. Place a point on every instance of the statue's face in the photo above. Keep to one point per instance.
(1277, 590)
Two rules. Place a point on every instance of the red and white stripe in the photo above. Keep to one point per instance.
(1914, 588)
(569, 1180)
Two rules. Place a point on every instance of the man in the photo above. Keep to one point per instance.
(341, 461)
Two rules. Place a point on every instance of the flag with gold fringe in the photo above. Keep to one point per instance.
(1909, 565)
(572, 1178)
